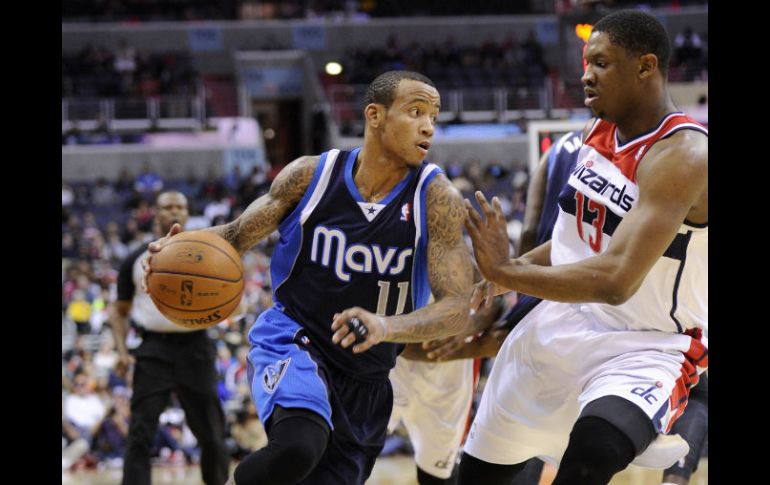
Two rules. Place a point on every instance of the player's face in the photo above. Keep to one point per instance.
(410, 121)
(172, 207)
(610, 77)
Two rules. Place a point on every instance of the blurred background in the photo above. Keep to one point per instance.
(213, 98)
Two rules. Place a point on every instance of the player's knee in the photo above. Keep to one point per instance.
(425, 478)
(597, 450)
(294, 448)
(294, 461)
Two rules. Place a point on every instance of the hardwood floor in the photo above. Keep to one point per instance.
(398, 470)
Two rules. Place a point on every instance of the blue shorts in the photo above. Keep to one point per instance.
(286, 369)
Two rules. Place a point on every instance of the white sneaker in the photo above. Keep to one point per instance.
(663, 452)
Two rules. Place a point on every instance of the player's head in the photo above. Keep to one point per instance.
(401, 108)
(170, 207)
(628, 51)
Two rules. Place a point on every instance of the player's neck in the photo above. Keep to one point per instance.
(644, 118)
(375, 174)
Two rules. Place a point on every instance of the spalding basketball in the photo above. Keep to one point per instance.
(196, 279)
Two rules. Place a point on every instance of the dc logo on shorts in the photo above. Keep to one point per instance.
(273, 374)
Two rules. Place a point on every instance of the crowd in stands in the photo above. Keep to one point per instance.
(96, 71)
(511, 62)
(690, 60)
(193, 10)
(104, 221)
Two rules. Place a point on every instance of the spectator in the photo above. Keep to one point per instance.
(73, 445)
(102, 134)
(115, 249)
(124, 184)
(73, 135)
(148, 183)
(103, 194)
(109, 443)
(247, 431)
(83, 409)
(79, 311)
(105, 358)
(236, 373)
(212, 188)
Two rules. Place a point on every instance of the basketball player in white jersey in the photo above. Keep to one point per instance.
(591, 377)
(433, 401)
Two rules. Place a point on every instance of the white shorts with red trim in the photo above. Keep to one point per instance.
(433, 401)
(557, 360)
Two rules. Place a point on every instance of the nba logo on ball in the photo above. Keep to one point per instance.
(196, 279)
(186, 295)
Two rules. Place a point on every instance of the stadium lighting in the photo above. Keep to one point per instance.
(584, 31)
(333, 68)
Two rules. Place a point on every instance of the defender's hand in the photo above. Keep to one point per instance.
(484, 293)
(155, 247)
(376, 329)
(489, 235)
(439, 350)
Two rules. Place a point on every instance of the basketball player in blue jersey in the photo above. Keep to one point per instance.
(375, 227)
(592, 376)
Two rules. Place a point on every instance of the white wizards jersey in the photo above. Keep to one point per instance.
(601, 190)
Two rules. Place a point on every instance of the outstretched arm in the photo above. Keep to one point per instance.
(484, 291)
(261, 217)
(672, 182)
(450, 273)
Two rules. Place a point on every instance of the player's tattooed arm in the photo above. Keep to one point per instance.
(450, 271)
(263, 216)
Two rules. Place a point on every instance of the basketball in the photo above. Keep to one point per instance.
(196, 279)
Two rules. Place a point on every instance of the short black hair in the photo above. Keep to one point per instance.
(168, 192)
(638, 33)
(382, 90)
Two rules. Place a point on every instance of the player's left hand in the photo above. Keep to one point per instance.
(440, 349)
(375, 325)
(155, 247)
(488, 234)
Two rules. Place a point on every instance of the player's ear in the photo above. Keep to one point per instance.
(648, 65)
(374, 113)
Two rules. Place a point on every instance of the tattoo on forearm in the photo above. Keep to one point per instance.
(450, 271)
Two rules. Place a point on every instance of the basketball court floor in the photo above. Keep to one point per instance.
(392, 470)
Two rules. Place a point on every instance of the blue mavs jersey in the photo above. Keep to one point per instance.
(337, 251)
(561, 162)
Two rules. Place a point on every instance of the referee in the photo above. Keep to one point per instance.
(170, 358)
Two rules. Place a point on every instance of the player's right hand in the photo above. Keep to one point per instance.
(124, 362)
(155, 247)
(375, 325)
